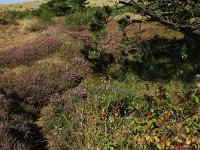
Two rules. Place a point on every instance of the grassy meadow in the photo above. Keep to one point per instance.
(37, 3)
(21, 6)
(62, 87)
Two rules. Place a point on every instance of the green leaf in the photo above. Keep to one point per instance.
(159, 146)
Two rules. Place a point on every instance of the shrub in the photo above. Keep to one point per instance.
(62, 7)
(78, 18)
(29, 52)
(3, 21)
(27, 13)
(7, 17)
(10, 16)
(46, 16)
(115, 72)
(38, 83)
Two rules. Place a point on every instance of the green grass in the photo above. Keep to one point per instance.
(116, 114)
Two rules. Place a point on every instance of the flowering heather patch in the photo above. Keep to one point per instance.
(79, 93)
(29, 52)
(38, 83)
(81, 64)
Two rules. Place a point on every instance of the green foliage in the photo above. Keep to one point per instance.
(3, 21)
(47, 11)
(94, 55)
(179, 15)
(46, 16)
(99, 23)
(62, 7)
(83, 19)
(128, 115)
(115, 72)
(10, 16)
(27, 13)
(7, 17)
(124, 22)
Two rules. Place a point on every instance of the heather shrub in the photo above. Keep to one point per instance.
(80, 65)
(38, 83)
(29, 52)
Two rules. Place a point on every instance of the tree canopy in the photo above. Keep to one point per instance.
(61, 7)
(180, 15)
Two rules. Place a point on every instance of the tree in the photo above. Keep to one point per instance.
(62, 7)
(180, 15)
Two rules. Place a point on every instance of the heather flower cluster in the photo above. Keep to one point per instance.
(81, 64)
(39, 83)
(73, 79)
(80, 93)
(30, 52)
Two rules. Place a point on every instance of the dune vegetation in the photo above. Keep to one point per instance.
(85, 76)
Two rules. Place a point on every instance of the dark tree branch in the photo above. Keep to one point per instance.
(172, 19)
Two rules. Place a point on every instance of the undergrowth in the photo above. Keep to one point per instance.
(109, 114)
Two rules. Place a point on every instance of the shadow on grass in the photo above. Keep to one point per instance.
(165, 59)
(159, 58)
(100, 60)
(19, 130)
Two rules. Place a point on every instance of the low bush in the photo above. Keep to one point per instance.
(7, 17)
(29, 52)
(10, 16)
(62, 7)
(46, 16)
(128, 115)
(38, 83)
(27, 13)
(3, 21)
(78, 18)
